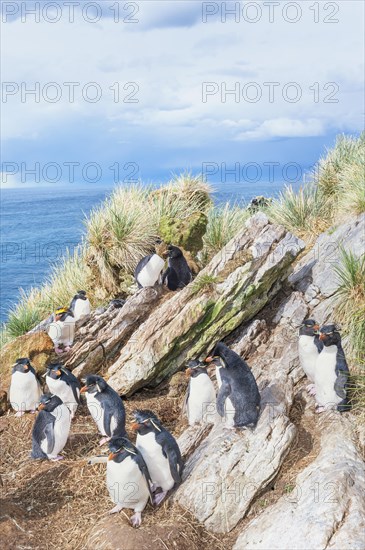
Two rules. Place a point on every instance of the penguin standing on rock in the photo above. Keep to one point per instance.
(309, 347)
(62, 382)
(332, 373)
(125, 469)
(25, 389)
(105, 406)
(160, 452)
(62, 329)
(51, 428)
(178, 273)
(238, 399)
(200, 397)
(149, 270)
(80, 305)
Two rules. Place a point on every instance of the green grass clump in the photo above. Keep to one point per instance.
(203, 282)
(223, 224)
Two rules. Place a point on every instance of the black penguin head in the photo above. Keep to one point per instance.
(54, 370)
(49, 402)
(118, 445)
(146, 421)
(81, 292)
(195, 367)
(310, 327)
(94, 384)
(173, 251)
(329, 335)
(22, 365)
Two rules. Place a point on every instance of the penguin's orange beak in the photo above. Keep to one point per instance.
(41, 406)
(316, 327)
(208, 359)
(188, 371)
(111, 456)
(322, 336)
(135, 426)
(84, 389)
(58, 372)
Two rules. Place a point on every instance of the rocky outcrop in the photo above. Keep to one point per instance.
(325, 509)
(235, 285)
(101, 336)
(38, 347)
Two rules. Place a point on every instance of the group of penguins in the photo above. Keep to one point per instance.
(153, 466)
(150, 270)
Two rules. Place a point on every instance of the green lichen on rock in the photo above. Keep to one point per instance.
(187, 233)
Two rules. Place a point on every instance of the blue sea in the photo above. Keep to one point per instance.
(38, 224)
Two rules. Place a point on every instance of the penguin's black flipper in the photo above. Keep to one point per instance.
(171, 451)
(223, 393)
(43, 426)
(318, 343)
(144, 470)
(73, 382)
(341, 385)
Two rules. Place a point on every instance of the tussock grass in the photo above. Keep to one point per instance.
(336, 191)
(223, 224)
(350, 311)
(203, 282)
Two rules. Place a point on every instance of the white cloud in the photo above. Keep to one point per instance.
(284, 127)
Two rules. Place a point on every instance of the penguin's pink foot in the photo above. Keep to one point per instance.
(104, 440)
(157, 499)
(32, 411)
(136, 519)
(58, 351)
(19, 413)
(320, 409)
(57, 458)
(67, 348)
(116, 509)
(311, 389)
(153, 487)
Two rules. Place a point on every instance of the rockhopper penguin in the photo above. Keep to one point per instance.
(200, 396)
(80, 305)
(160, 452)
(25, 390)
(332, 373)
(149, 270)
(178, 273)
(62, 382)
(62, 329)
(238, 399)
(105, 406)
(51, 428)
(309, 347)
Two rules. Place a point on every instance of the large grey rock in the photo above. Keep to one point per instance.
(326, 509)
(317, 265)
(248, 272)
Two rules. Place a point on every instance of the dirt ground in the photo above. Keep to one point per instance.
(57, 504)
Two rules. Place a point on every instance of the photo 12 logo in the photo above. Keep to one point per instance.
(70, 12)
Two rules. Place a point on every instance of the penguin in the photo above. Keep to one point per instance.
(105, 406)
(51, 428)
(309, 347)
(62, 382)
(62, 329)
(332, 373)
(80, 305)
(25, 389)
(160, 452)
(127, 478)
(148, 270)
(178, 274)
(200, 396)
(238, 399)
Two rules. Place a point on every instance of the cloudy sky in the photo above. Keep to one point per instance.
(156, 87)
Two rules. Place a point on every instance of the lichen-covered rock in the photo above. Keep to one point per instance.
(37, 346)
(248, 273)
(326, 508)
(187, 233)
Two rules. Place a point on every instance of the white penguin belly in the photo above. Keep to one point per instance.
(61, 431)
(96, 411)
(308, 355)
(64, 392)
(158, 465)
(62, 332)
(150, 273)
(82, 308)
(229, 413)
(25, 391)
(325, 378)
(202, 399)
(126, 484)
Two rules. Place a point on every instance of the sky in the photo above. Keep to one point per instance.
(126, 91)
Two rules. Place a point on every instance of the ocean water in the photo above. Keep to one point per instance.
(38, 224)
